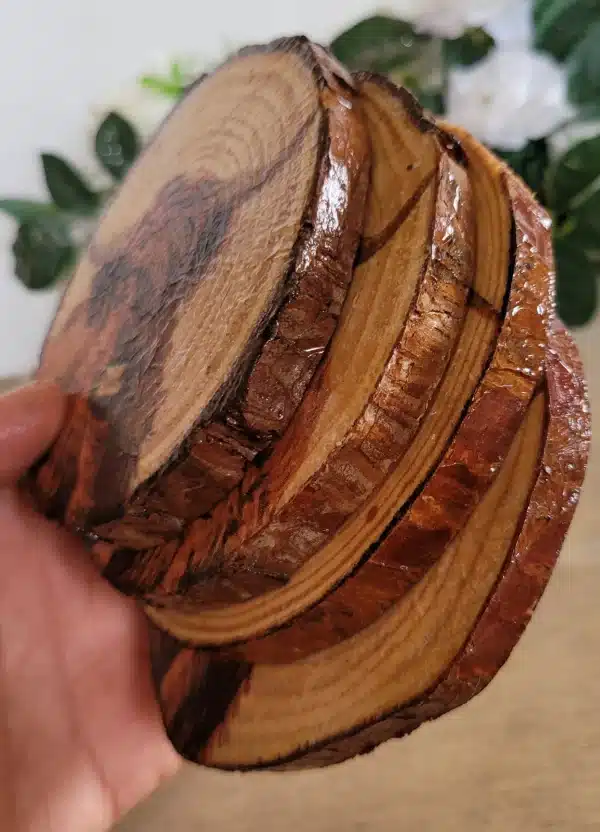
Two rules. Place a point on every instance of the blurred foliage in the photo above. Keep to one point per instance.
(48, 233)
(569, 186)
(117, 145)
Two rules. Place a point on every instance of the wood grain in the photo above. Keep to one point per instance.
(378, 516)
(348, 435)
(526, 511)
(268, 720)
(273, 133)
(525, 573)
(365, 430)
(404, 545)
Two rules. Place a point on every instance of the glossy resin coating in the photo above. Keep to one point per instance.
(324, 422)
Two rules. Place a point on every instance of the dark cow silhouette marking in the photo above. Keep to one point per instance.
(122, 331)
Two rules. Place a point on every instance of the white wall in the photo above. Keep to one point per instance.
(60, 57)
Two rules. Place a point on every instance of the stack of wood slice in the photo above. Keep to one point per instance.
(324, 422)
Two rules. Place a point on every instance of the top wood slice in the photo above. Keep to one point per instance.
(209, 293)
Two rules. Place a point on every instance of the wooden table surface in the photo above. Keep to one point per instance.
(523, 756)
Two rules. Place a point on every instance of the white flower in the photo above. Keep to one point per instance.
(449, 18)
(509, 97)
(513, 25)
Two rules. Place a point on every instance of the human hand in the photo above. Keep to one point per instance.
(81, 738)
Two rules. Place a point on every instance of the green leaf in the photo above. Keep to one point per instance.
(43, 251)
(163, 86)
(429, 99)
(560, 24)
(530, 163)
(117, 145)
(588, 112)
(576, 282)
(432, 100)
(469, 48)
(584, 69)
(570, 175)
(23, 210)
(172, 85)
(379, 44)
(66, 187)
(177, 74)
(585, 212)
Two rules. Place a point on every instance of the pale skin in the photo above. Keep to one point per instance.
(81, 738)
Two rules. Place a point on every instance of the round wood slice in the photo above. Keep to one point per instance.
(444, 638)
(410, 286)
(523, 577)
(208, 296)
(366, 431)
(277, 712)
(410, 519)
(406, 541)
(332, 563)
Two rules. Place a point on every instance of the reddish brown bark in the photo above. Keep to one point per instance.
(549, 509)
(400, 495)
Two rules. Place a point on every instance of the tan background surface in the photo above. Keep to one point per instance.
(523, 756)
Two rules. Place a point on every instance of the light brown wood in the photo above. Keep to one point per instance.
(341, 555)
(283, 715)
(525, 756)
(405, 542)
(337, 412)
(387, 666)
(371, 393)
(194, 323)
(353, 540)
(284, 709)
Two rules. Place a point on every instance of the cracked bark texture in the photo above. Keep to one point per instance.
(365, 430)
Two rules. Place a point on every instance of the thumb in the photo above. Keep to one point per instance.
(30, 418)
